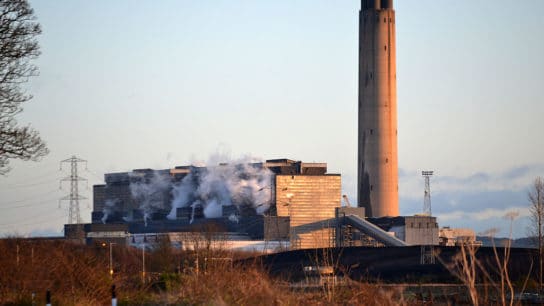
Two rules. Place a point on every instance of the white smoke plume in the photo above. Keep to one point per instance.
(150, 192)
(240, 183)
(234, 218)
(243, 183)
(109, 209)
(182, 193)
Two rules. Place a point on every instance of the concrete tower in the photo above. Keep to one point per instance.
(377, 156)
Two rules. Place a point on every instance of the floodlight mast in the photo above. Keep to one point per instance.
(427, 193)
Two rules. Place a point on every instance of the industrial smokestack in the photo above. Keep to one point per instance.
(377, 186)
(387, 4)
(370, 4)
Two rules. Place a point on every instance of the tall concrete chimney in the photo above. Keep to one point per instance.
(377, 186)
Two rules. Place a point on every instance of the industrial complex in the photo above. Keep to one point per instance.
(279, 204)
(269, 206)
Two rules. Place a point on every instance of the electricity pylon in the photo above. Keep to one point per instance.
(74, 197)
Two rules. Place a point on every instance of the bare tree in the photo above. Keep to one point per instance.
(536, 199)
(18, 47)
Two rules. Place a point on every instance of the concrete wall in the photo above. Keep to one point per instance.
(421, 230)
(310, 202)
(377, 139)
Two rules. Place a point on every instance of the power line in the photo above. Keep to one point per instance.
(99, 177)
(31, 198)
(33, 223)
(31, 180)
(30, 185)
(38, 176)
(33, 218)
(29, 205)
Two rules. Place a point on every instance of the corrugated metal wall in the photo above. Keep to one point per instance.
(309, 201)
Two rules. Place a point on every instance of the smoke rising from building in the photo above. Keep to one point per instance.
(110, 207)
(243, 184)
(239, 183)
(245, 199)
(151, 193)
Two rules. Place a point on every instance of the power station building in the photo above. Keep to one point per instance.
(280, 202)
(299, 209)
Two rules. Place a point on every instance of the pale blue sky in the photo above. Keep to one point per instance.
(137, 84)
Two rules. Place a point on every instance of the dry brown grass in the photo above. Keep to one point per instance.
(493, 277)
(69, 271)
(78, 275)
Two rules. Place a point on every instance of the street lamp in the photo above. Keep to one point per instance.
(143, 262)
(111, 256)
(111, 259)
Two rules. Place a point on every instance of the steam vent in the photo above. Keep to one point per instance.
(377, 140)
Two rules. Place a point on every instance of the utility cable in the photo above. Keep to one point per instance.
(28, 185)
(33, 197)
(33, 179)
(33, 223)
(101, 178)
(46, 201)
(34, 218)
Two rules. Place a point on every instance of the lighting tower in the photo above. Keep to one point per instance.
(73, 197)
(377, 166)
(427, 194)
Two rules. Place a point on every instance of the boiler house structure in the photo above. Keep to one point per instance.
(290, 203)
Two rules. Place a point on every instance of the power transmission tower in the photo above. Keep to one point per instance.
(427, 195)
(73, 197)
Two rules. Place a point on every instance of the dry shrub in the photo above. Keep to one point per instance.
(230, 286)
(68, 270)
(78, 275)
(252, 286)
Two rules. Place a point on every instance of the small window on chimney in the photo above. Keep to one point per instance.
(371, 131)
(371, 187)
(384, 20)
(385, 47)
(386, 160)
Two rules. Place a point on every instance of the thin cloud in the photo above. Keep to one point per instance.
(515, 179)
(486, 214)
